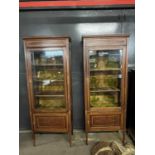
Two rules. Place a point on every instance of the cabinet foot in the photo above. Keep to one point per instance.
(70, 138)
(123, 138)
(34, 139)
(86, 138)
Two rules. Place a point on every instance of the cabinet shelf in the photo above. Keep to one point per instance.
(48, 65)
(110, 76)
(105, 105)
(49, 92)
(50, 80)
(55, 96)
(50, 69)
(104, 90)
(107, 69)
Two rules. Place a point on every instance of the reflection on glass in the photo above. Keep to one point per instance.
(105, 59)
(48, 58)
(50, 103)
(105, 78)
(48, 79)
(103, 82)
(104, 100)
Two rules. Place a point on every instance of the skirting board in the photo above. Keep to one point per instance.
(30, 131)
(25, 131)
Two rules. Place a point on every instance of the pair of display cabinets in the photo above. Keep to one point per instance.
(49, 83)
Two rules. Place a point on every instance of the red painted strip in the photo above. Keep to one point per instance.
(76, 3)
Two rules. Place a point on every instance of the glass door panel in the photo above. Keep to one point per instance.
(105, 78)
(105, 99)
(48, 79)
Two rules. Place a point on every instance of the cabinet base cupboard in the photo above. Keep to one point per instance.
(105, 83)
(48, 81)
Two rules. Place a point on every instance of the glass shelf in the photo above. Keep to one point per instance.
(106, 69)
(50, 65)
(50, 80)
(104, 90)
(53, 96)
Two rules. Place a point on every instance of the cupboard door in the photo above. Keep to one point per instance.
(51, 122)
(105, 83)
(108, 122)
(48, 79)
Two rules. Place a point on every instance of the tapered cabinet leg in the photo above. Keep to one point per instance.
(70, 138)
(34, 139)
(72, 130)
(123, 137)
(86, 138)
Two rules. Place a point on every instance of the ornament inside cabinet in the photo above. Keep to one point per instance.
(48, 81)
(105, 83)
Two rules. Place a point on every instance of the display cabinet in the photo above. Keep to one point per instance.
(105, 83)
(48, 81)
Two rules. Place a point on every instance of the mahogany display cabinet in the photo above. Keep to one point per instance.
(105, 83)
(47, 62)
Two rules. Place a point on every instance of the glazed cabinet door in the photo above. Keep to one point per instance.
(105, 73)
(47, 71)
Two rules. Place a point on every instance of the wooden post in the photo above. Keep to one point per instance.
(86, 138)
(34, 139)
(70, 138)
